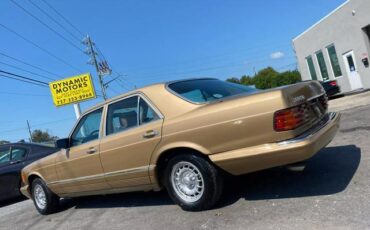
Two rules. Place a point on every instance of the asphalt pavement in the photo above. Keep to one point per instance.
(332, 193)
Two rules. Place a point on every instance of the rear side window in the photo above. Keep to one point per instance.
(122, 115)
(146, 113)
(18, 154)
(206, 90)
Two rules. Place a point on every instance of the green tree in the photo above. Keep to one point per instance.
(288, 77)
(2, 142)
(269, 78)
(246, 80)
(233, 80)
(266, 78)
(42, 136)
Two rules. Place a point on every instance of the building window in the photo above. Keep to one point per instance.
(334, 61)
(311, 68)
(322, 65)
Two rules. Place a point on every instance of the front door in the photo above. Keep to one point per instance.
(352, 71)
(79, 168)
(133, 130)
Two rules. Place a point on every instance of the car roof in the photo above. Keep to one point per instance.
(143, 89)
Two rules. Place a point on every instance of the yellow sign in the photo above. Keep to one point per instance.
(72, 90)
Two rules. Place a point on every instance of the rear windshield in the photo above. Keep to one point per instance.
(206, 90)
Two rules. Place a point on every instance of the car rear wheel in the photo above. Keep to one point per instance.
(45, 200)
(192, 182)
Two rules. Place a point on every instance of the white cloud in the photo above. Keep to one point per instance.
(277, 55)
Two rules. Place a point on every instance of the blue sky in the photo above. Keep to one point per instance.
(147, 42)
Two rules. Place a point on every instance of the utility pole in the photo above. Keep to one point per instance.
(91, 52)
(29, 130)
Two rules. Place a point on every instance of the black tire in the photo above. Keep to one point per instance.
(51, 199)
(212, 178)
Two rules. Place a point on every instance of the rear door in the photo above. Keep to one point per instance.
(4, 163)
(10, 169)
(17, 162)
(133, 130)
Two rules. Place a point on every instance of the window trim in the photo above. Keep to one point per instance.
(330, 64)
(78, 122)
(139, 95)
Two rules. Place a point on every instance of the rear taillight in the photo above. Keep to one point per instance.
(289, 119)
(333, 83)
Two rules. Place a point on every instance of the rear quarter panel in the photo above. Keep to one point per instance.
(236, 122)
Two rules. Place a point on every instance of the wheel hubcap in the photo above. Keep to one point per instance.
(39, 196)
(187, 181)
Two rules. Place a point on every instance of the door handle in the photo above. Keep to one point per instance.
(91, 150)
(150, 134)
(14, 162)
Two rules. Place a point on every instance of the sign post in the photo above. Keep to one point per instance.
(77, 110)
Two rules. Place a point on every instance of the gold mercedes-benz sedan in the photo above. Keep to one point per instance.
(182, 136)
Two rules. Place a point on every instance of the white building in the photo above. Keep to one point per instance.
(337, 47)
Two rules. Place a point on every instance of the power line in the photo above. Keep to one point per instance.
(21, 80)
(37, 125)
(18, 68)
(24, 94)
(156, 75)
(25, 78)
(46, 25)
(56, 22)
(39, 47)
(28, 64)
(100, 53)
(65, 19)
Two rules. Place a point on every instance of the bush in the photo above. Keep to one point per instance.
(269, 78)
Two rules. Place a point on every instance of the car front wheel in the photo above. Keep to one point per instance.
(192, 182)
(46, 202)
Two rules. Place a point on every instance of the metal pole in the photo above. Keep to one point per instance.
(29, 131)
(90, 44)
(77, 110)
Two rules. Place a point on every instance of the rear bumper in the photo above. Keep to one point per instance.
(25, 191)
(333, 91)
(265, 156)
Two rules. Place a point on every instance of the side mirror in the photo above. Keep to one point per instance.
(62, 143)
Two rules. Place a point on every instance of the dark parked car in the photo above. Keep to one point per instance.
(13, 158)
(331, 87)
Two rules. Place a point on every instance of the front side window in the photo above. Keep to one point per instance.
(4, 155)
(122, 115)
(322, 65)
(88, 128)
(18, 154)
(311, 68)
(334, 61)
(206, 90)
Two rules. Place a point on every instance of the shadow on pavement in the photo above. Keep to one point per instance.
(11, 201)
(328, 172)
